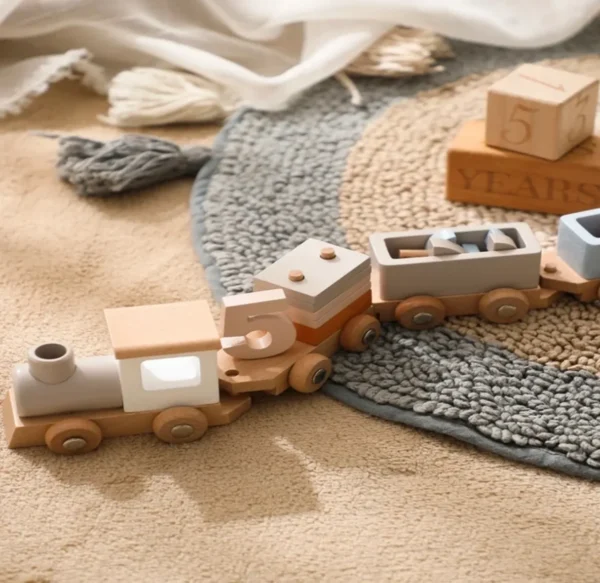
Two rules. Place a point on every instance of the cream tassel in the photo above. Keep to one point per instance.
(145, 96)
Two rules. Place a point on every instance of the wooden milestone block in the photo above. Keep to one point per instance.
(479, 174)
(541, 111)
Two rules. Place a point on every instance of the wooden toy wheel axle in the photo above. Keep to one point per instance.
(310, 373)
(504, 306)
(359, 333)
(420, 313)
(180, 425)
(73, 436)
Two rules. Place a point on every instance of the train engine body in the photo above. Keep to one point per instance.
(53, 381)
(170, 362)
(162, 379)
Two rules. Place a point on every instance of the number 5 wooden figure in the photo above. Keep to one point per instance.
(254, 325)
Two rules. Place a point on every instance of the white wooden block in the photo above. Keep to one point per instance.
(323, 315)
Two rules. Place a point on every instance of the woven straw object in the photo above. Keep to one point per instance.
(402, 52)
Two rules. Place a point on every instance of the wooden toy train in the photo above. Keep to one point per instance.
(174, 374)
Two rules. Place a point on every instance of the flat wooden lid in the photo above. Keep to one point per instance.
(162, 329)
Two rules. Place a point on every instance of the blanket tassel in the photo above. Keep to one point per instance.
(131, 162)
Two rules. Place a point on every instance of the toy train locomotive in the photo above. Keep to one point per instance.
(174, 374)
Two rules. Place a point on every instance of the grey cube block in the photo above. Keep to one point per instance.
(447, 234)
(438, 247)
(579, 242)
(496, 240)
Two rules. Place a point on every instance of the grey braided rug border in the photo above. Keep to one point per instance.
(227, 201)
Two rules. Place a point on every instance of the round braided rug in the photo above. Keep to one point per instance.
(326, 169)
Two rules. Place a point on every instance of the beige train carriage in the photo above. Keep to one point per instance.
(420, 277)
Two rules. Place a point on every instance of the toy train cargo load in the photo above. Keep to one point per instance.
(421, 277)
(474, 270)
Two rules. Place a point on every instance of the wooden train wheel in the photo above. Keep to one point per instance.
(73, 436)
(504, 306)
(180, 425)
(359, 333)
(420, 312)
(310, 373)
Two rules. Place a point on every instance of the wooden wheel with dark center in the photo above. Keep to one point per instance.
(359, 333)
(420, 313)
(504, 306)
(180, 425)
(310, 373)
(73, 436)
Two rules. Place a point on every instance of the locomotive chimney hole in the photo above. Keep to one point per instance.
(51, 363)
(51, 351)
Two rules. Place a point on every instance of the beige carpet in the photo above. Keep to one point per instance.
(300, 489)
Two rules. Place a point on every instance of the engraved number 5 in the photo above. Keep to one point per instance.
(520, 121)
(254, 326)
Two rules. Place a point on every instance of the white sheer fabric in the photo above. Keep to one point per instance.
(265, 51)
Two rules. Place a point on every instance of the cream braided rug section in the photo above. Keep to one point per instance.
(527, 391)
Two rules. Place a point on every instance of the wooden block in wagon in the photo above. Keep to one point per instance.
(479, 174)
(541, 111)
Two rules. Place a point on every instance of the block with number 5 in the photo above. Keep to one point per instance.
(309, 303)
(541, 111)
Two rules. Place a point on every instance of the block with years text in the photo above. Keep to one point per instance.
(541, 111)
(479, 174)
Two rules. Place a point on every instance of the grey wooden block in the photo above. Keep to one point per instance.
(496, 240)
(324, 279)
(438, 246)
(447, 234)
(471, 248)
(579, 242)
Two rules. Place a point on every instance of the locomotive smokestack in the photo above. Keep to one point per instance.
(51, 363)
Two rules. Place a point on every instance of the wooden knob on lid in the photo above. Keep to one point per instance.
(327, 253)
(295, 275)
